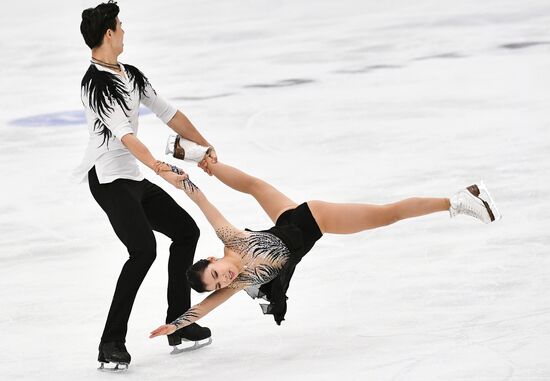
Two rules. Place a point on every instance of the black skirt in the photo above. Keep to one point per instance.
(299, 231)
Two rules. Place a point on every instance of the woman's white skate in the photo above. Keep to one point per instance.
(186, 150)
(475, 201)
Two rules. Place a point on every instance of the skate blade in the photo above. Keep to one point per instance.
(486, 196)
(194, 347)
(116, 369)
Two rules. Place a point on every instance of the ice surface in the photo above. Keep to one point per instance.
(359, 101)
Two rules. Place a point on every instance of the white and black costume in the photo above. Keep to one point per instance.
(135, 207)
(271, 257)
(298, 232)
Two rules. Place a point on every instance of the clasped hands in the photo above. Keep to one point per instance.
(166, 171)
(211, 157)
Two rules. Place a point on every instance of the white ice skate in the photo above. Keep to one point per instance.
(186, 150)
(475, 201)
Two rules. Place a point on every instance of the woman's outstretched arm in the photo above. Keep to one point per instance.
(224, 229)
(196, 312)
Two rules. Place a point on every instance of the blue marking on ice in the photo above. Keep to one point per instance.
(62, 118)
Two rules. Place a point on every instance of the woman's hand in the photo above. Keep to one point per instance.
(173, 178)
(166, 329)
(168, 173)
(211, 157)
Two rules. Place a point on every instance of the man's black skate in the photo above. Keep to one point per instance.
(116, 353)
(193, 332)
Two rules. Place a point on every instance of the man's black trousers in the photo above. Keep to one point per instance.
(135, 209)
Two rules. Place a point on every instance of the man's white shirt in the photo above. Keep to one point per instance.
(112, 160)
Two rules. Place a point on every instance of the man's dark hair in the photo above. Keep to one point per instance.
(194, 275)
(96, 21)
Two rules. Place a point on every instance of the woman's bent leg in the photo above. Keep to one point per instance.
(273, 202)
(353, 218)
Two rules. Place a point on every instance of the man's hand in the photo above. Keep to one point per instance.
(166, 329)
(212, 157)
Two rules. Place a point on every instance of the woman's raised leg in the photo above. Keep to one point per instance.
(353, 218)
(270, 199)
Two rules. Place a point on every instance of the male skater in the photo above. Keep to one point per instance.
(111, 94)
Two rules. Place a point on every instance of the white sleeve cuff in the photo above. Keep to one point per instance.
(122, 129)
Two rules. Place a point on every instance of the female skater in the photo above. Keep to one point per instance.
(262, 262)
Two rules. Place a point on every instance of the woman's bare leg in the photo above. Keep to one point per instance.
(353, 218)
(270, 199)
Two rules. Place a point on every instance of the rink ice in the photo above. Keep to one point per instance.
(349, 101)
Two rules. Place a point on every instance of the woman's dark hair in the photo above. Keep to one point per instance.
(194, 275)
(96, 21)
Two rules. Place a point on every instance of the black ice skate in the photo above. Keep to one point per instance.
(193, 332)
(186, 150)
(115, 353)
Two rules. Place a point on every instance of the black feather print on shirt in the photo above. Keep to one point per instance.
(140, 80)
(103, 90)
